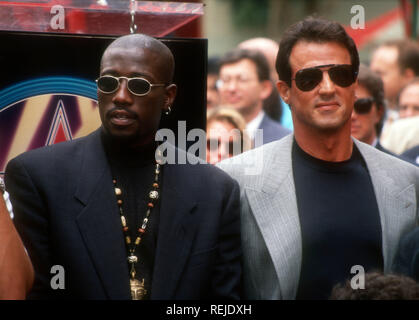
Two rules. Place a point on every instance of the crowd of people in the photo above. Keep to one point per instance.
(308, 186)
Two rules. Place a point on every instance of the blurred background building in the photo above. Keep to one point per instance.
(228, 22)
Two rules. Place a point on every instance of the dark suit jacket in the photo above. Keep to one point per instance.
(272, 130)
(378, 146)
(407, 258)
(66, 212)
(411, 155)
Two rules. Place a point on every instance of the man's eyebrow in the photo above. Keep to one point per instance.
(131, 75)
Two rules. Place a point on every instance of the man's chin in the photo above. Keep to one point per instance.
(122, 136)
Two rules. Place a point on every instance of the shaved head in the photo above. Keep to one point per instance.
(143, 43)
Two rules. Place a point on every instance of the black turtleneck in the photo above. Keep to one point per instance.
(134, 171)
(339, 219)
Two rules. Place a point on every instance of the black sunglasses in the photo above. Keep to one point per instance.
(341, 74)
(137, 86)
(363, 105)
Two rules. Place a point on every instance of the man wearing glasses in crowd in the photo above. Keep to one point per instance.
(122, 224)
(369, 108)
(324, 205)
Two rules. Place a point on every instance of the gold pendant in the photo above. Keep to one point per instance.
(138, 290)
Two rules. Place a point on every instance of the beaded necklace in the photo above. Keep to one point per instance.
(138, 290)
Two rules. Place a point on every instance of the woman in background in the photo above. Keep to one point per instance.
(226, 136)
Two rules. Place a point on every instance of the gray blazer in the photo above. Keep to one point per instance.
(271, 234)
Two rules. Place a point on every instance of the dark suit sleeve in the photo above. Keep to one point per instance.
(31, 221)
(226, 282)
(406, 261)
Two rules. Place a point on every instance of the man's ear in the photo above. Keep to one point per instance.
(284, 91)
(409, 74)
(267, 87)
(171, 91)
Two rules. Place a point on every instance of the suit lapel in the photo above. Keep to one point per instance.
(99, 222)
(279, 221)
(394, 203)
(176, 232)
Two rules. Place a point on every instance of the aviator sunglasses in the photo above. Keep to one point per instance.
(341, 74)
(137, 86)
(363, 105)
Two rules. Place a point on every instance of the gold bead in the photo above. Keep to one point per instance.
(128, 240)
(137, 241)
(118, 191)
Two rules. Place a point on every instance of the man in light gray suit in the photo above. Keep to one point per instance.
(319, 207)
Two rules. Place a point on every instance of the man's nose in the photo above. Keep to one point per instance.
(122, 96)
(327, 86)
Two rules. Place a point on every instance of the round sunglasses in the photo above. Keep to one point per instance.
(363, 105)
(137, 86)
(341, 74)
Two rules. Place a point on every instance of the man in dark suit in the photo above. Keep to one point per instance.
(244, 85)
(120, 222)
(369, 109)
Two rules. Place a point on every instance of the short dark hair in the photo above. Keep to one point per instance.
(379, 286)
(236, 55)
(371, 81)
(408, 54)
(213, 65)
(312, 29)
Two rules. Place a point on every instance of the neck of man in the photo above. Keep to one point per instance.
(328, 145)
(370, 140)
(126, 145)
(250, 113)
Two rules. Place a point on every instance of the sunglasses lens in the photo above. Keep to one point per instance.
(363, 105)
(107, 84)
(343, 76)
(139, 86)
(308, 79)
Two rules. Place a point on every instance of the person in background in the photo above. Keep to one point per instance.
(226, 136)
(213, 96)
(408, 100)
(403, 135)
(397, 63)
(378, 286)
(411, 155)
(16, 271)
(369, 108)
(274, 106)
(243, 85)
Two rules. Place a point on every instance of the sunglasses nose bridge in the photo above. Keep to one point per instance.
(326, 83)
(122, 93)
